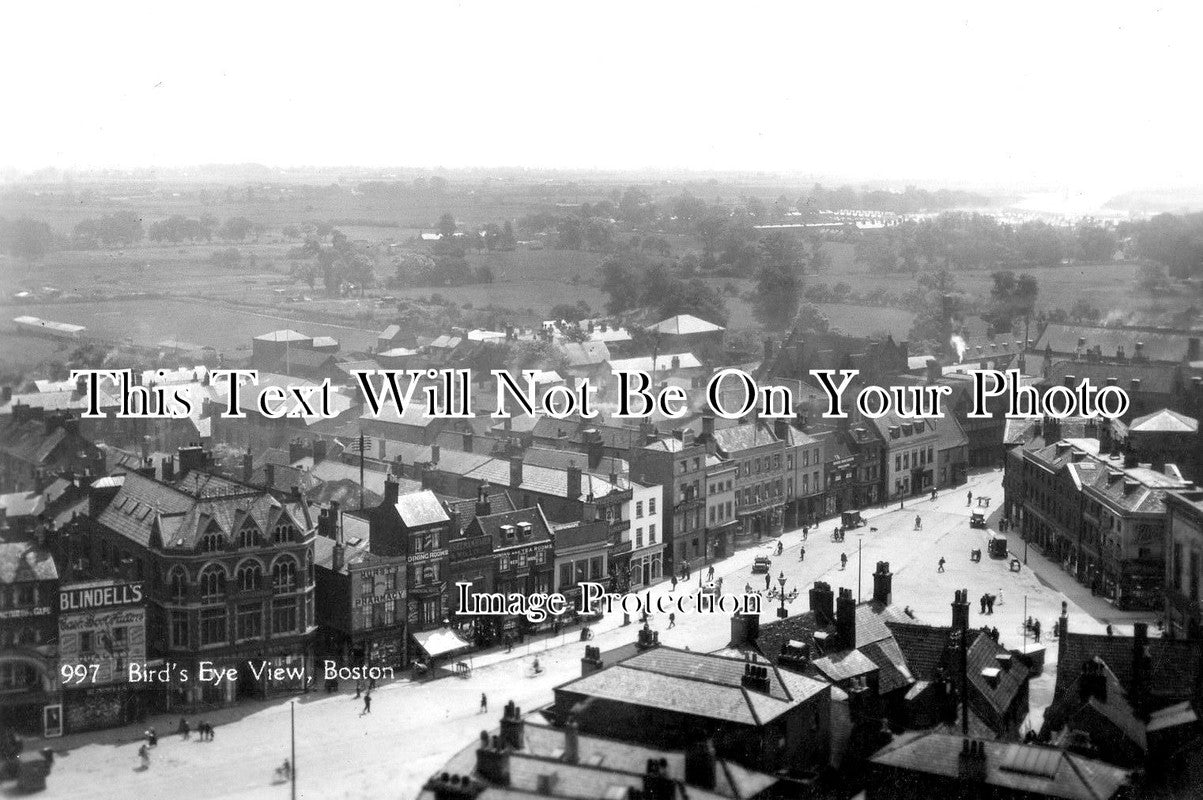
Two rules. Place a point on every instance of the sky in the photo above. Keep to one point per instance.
(1095, 96)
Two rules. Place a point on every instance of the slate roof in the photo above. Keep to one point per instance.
(1154, 378)
(696, 684)
(25, 562)
(1164, 421)
(662, 363)
(585, 354)
(491, 526)
(1174, 664)
(684, 325)
(69, 400)
(283, 335)
(1158, 345)
(421, 508)
(197, 503)
(499, 503)
(604, 768)
(562, 459)
(738, 438)
(1013, 767)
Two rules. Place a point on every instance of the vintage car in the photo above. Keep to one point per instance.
(851, 519)
(977, 520)
(761, 564)
(998, 547)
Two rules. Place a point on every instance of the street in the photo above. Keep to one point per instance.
(414, 727)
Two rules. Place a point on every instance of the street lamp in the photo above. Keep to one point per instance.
(781, 612)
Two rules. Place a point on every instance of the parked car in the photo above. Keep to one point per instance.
(977, 520)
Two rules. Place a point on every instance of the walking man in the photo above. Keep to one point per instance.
(982, 602)
(144, 754)
(802, 554)
(484, 703)
(367, 704)
(843, 560)
(969, 498)
(768, 581)
(672, 620)
(1036, 631)
(941, 567)
(918, 523)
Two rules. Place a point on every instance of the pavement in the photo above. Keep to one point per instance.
(414, 726)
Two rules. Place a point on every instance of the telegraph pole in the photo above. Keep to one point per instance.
(292, 722)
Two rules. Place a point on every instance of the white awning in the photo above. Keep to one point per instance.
(440, 642)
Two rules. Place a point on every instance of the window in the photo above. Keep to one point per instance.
(897, 463)
(651, 533)
(177, 585)
(639, 509)
(179, 629)
(250, 577)
(284, 575)
(246, 538)
(582, 571)
(250, 621)
(806, 458)
(595, 568)
(213, 626)
(85, 642)
(929, 455)
(729, 509)
(212, 585)
(712, 515)
(282, 534)
(651, 505)
(684, 466)
(697, 463)
(566, 574)
(639, 537)
(211, 543)
(284, 616)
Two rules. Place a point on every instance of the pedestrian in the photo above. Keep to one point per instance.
(371, 683)
(710, 574)
(367, 704)
(768, 581)
(152, 738)
(209, 730)
(901, 503)
(509, 642)
(672, 620)
(805, 532)
(990, 603)
(674, 583)
(994, 634)
(1036, 631)
(144, 754)
(982, 603)
(802, 554)
(484, 703)
(969, 498)
(843, 560)
(941, 567)
(933, 493)
(918, 523)
(358, 689)
(184, 729)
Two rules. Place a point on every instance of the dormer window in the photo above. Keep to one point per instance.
(211, 543)
(246, 538)
(283, 534)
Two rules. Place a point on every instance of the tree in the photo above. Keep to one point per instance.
(235, 229)
(620, 279)
(778, 281)
(25, 238)
(570, 234)
(1012, 297)
(447, 227)
(1153, 279)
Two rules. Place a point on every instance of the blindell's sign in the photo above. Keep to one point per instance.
(83, 598)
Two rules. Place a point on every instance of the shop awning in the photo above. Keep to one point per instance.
(441, 642)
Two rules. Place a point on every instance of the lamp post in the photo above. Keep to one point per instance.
(781, 612)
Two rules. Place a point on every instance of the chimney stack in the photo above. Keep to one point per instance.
(845, 620)
(960, 610)
(482, 501)
(745, 628)
(700, 764)
(512, 727)
(883, 584)
(515, 470)
(573, 483)
(391, 489)
(822, 601)
(971, 765)
(493, 760)
(592, 661)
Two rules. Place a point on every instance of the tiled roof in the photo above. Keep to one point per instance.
(420, 508)
(697, 684)
(323, 554)
(951, 433)
(499, 503)
(583, 354)
(1018, 768)
(562, 459)
(22, 562)
(1174, 664)
(389, 333)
